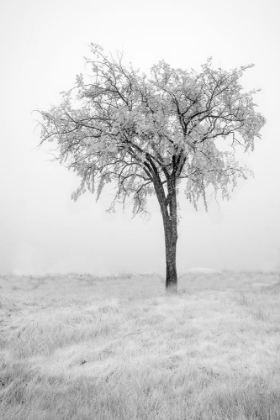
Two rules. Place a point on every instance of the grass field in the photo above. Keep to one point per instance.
(77, 347)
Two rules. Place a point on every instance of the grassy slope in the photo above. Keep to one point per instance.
(79, 347)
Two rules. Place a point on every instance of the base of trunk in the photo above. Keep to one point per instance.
(171, 289)
(171, 278)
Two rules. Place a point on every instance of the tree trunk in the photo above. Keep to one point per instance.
(168, 207)
(170, 230)
(169, 215)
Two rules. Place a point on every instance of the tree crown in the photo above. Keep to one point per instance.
(148, 133)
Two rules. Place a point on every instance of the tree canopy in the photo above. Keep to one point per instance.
(142, 131)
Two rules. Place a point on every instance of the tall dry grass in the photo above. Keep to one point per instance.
(78, 347)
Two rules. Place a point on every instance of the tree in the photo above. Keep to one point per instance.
(147, 134)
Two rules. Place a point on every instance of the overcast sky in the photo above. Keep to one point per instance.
(42, 49)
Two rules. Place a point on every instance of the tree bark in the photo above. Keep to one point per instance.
(169, 216)
(170, 230)
(168, 207)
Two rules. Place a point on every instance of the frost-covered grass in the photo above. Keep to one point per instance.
(79, 347)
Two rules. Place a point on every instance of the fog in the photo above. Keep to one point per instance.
(42, 48)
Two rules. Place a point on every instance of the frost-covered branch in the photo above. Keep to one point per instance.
(146, 133)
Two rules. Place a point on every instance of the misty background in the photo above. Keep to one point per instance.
(42, 48)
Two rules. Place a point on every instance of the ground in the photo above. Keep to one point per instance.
(79, 347)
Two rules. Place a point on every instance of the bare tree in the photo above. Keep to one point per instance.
(148, 133)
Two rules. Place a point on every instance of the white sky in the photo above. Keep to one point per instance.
(42, 49)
